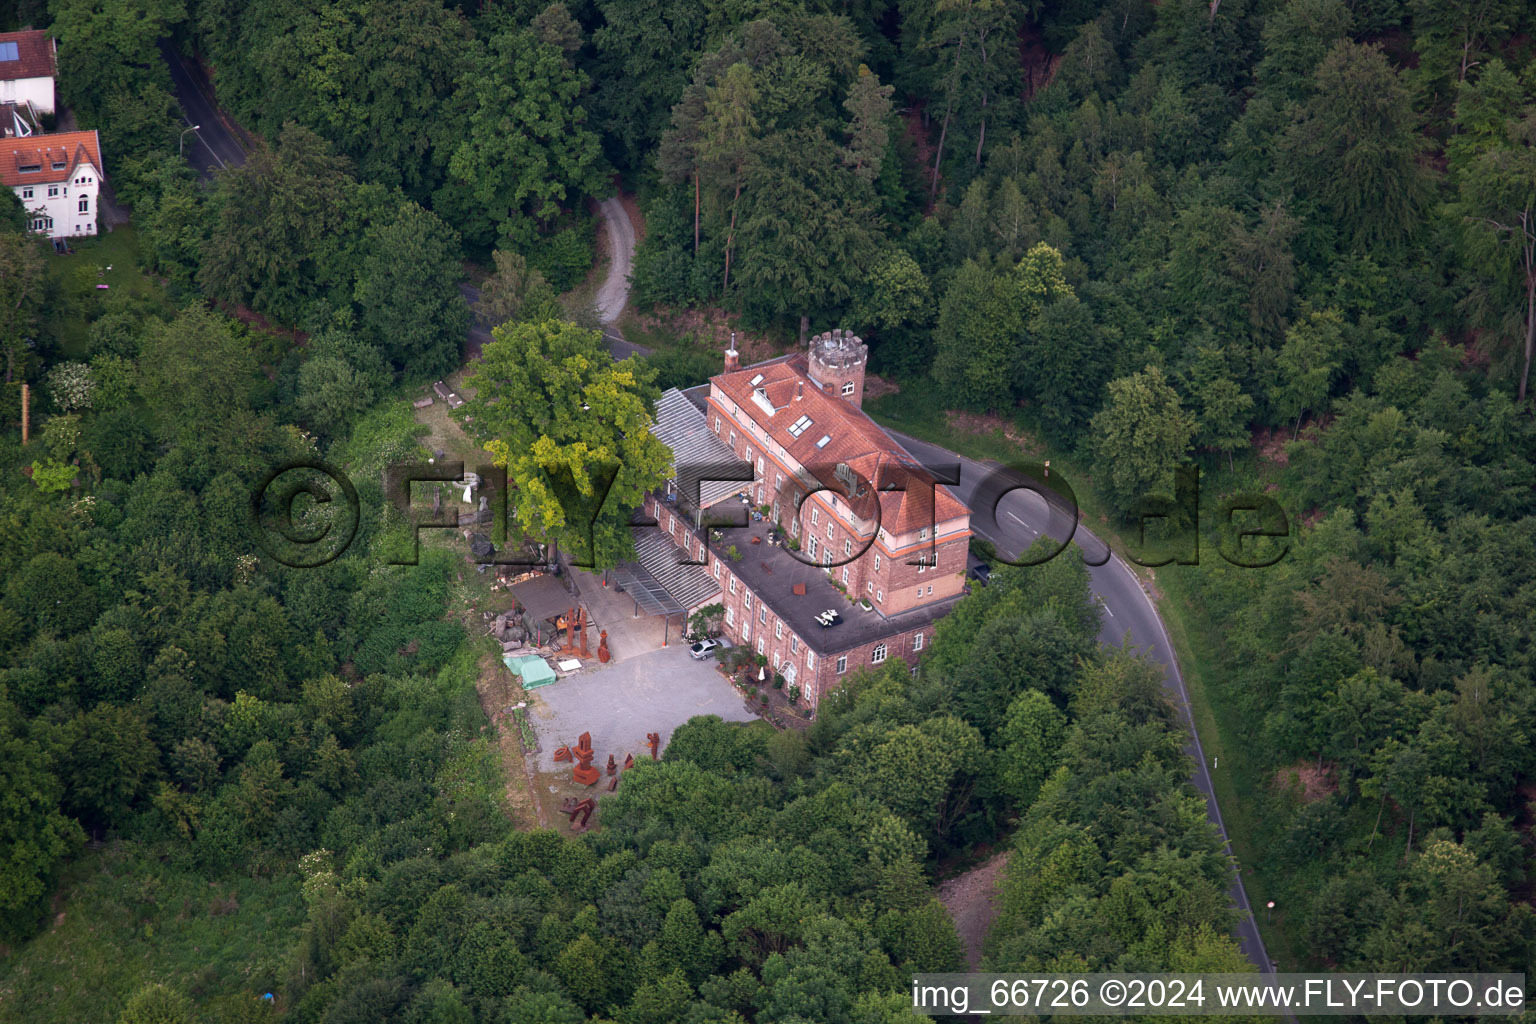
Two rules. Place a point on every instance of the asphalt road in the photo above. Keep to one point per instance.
(1015, 520)
(213, 146)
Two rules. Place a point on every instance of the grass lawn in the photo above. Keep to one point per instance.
(1239, 781)
(77, 275)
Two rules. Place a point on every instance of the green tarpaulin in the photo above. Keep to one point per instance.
(533, 670)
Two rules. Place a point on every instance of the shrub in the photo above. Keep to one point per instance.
(564, 257)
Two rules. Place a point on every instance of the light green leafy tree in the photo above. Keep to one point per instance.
(1138, 438)
(573, 429)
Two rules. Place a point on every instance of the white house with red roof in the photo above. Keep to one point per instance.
(28, 64)
(57, 178)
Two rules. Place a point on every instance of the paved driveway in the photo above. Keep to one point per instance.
(620, 702)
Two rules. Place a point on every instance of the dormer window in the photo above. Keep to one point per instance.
(29, 168)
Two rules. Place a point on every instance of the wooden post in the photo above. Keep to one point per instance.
(26, 414)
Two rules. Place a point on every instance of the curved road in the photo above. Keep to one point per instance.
(1013, 524)
(612, 295)
(214, 145)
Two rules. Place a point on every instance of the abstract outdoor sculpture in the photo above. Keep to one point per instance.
(654, 739)
(603, 654)
(613, 766)
(584, 773)
(573, 807)
(629, 761)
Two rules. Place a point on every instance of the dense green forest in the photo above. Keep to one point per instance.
(1289, 241)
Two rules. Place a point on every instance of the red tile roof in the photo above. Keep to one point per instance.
(68, 149)
(36, 52)
(854, 439)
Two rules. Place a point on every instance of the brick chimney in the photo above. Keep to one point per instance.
(732, 357)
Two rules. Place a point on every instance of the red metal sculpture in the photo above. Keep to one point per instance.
(584, 773)
(654, 739)
(613, 766)
(603, 654)
(629, 761)
(573, 807)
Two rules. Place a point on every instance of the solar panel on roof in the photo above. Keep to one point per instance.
(9, 51)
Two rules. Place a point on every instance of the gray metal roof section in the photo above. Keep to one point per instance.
(657, 581)
(681, 426)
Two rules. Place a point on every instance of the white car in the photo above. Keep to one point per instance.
(703, 649)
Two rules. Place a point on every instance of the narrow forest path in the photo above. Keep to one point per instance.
(972, 901)
(613, 294)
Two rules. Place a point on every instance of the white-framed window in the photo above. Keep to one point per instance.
(848, 388)
(847, 547)
(762, 614)
(717, 568)
(877, 655)
(811, 546)
(789, 673)
(831, 528)
(810, 660)
(845, 574)
(917, 642)
(877, 561)
(730, 616)
(85, 206)
(794, 527)
(41, 223)
(778, 630)
(26, 193)
(922, 534)
(778, 480)
(746, 600)
(746, 631)
(880, 596)
(842, 664)
(759, 645)
(922, 566)
(869, 588)
(775, 661)
(826, 557)
(930, 588)
(794, 643)
(919, 591)
(733, 584)
(815, 516)
(53, 190)
(912, 672)
(775, 511)
(733, 439)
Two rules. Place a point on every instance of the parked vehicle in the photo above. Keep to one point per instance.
(703, 649)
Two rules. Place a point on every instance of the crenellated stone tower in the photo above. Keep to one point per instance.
(837, 362)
